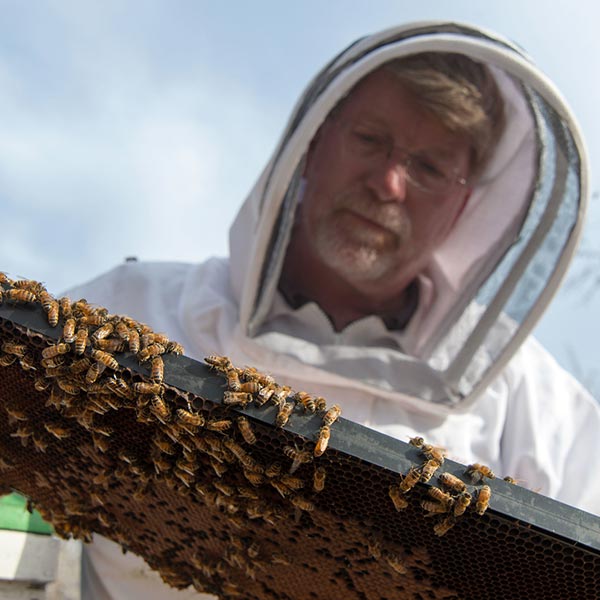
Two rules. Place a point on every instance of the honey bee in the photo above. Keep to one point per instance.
(233, 381)
(483, 499)
(134, 341)
(319, 479)
(157, 369)
(69, 330)
(428, 469)
(67, 385)
(142, 387)
(159, 409)
(57, 430)
(246, 430)
(293, 483)
(55, 350)
(409, 480)
(4, 278)
(332, 415)
(237, 398)
(94, 372)
(81, 340)
(14, 348)
(280, 394)
(27, 363)
(53, 314)
(41, 383)
(444, 525)
(189, 421)
(150, 351)
(15, 414)
(433, 507)
(106, 359)
(264, 394)
(307, 401)
(219, 363)
(184, 477)
(461, 503)
(175, 348)
(219, 425)
(478, 471)
(104, 430)
(322, 441)
(302, 503)
(298, 457)
(436, 453)
(100, 442)
(320, 403)
(452, 482)
(7, 359)
(254, 477)
(510, 479)
(283, 415)
(273, 470)
(20, 295)
(110, 345)
(119, 387)
(162, 465)
(417, 442)
(400, 503)
(396, 563)
(440, 496)
(224, 488)
(189, 466)
(250, 387)
(64, 305)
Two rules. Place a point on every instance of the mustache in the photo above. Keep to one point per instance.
(388, 215)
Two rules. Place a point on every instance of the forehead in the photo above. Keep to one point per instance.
(382, 100)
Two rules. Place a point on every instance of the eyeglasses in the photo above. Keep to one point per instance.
(422, 172)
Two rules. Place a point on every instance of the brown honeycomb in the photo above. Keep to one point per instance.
(208, 509)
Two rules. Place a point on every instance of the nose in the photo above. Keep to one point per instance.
(388, 180)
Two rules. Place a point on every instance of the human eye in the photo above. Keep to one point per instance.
(427, 169)
(368, 141)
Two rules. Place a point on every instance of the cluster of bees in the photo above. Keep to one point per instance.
(205, 453)
(452, 499)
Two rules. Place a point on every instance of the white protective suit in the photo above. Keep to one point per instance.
(463, 373)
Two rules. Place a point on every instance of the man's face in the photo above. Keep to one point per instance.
(363, 218)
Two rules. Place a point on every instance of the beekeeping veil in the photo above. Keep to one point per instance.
(495, 273)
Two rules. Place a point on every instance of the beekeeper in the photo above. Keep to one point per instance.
(410, 229)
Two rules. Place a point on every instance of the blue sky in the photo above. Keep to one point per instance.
(137, 127)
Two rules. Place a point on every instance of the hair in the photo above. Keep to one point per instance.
(461, 93)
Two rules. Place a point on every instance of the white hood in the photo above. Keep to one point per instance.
(494, 275)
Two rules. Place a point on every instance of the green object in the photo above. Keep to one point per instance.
(15, 516)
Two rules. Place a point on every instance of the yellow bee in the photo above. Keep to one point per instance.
(396, 563)
(283, 416)
(302, 503)
(237, 398)
(233, 381)
(246, 430)
(64, 304)
(189, 421)
(264, 394)
(319, 479)
(53, 314)
(298, 457)
(400, 503)
(483, 499)
(452, 482)
(273, 470)
(428, 469)
(433, 507)
(150, 351)
(81, 340)
(307, 401)
(94, 372)
(57, 430)
(20, 295)
(250, 387)
(409, 480)
(461, 503)
(416, 441)
(444, 525)
(69, 330)
(7, 359)
(219, 425)
(134, 341)
(322, 441)
(159, 409)
(280, 394)
(14, 348)
(436, 453)
(478, 471)
(332, 415)
(68, 386)
(175, 348)
(110, 345)
(142, 387)
(440, 496)
(219, 363)
(254, 477)
(55, 350)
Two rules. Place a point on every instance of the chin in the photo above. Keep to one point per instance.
(359, 265)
